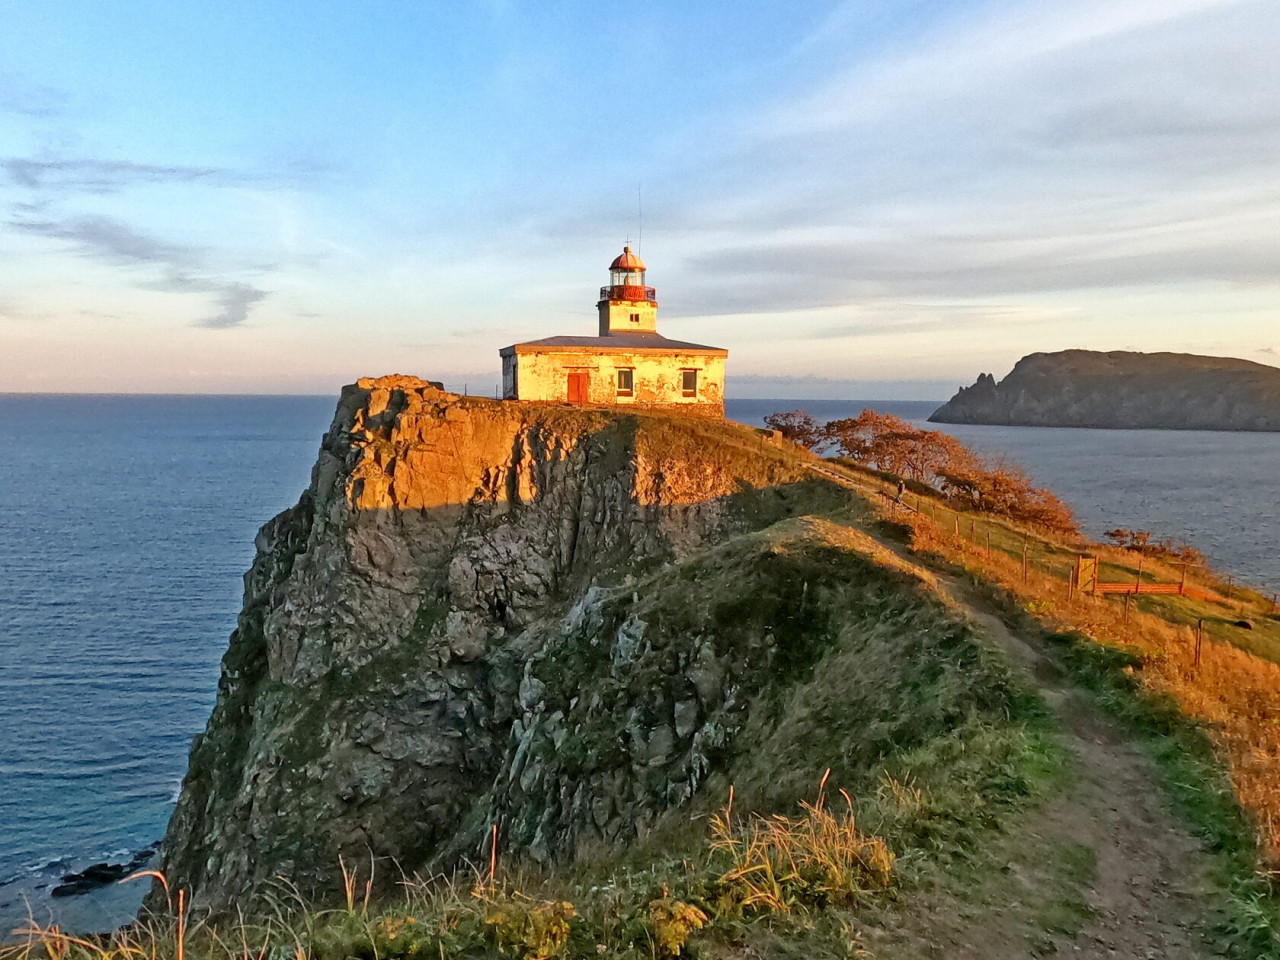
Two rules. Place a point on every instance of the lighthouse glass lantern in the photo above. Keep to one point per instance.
(626, 279)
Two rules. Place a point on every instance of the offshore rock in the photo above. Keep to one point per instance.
(1120, 390)
(405, 669)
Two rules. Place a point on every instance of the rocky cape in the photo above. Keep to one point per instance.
(562, 623)
(386, 691)
(1122, 390)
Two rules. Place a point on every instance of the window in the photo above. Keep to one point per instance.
(635, 318)
(689, 382)
(626, 382)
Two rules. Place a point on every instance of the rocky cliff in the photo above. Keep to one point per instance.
(1082, 388)
(379, 678)
(561, 622)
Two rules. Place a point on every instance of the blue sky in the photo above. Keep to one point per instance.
(874, 199)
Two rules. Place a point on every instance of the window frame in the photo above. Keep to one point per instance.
(630, 388)
(685, 375)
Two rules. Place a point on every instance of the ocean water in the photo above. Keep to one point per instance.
(126, 524)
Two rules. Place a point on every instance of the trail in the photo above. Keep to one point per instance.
(1151, 872)
(1141, 892)
(1140, 884)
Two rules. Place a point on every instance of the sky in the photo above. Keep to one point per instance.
(878, 199)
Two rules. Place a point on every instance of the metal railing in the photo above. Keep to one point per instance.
(628, 292)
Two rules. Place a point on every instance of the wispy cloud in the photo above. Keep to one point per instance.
(1033, 148)
(69, 175)
(112, 241)
(102, 176)
(18, 96)
(233, 300)
(181, 267)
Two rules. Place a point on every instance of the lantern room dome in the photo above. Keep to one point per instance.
(627, 261)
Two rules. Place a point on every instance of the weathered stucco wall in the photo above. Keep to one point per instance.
(615, 316)
(656, 378)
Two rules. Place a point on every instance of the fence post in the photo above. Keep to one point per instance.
(989, 557)
(1025, 541)
(1182, 585)
(1199, 640)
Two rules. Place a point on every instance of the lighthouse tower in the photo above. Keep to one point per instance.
(626, 304)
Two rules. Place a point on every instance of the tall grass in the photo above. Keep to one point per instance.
(748, 868)
(778, 864)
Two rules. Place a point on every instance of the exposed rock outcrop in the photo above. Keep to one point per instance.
(1083, 388)
(398, 679)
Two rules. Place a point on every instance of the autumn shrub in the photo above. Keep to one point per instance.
(889, 443)
(1004, 490)
(893, 445)
(798, 427)
(672, 923)
(528, 927)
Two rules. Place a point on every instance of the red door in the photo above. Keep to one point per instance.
(577, 390)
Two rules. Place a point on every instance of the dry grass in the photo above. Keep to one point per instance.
(1233, 691)
(778, 864)
(758, 867)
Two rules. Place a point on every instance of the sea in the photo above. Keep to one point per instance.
(127, 522)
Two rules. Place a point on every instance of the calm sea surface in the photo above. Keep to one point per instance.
(127, 522)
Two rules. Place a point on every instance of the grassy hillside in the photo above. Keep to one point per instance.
(870, 730)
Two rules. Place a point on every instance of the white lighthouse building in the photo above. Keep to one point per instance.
(627, 364)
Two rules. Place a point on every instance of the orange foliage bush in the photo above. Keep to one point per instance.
(892, 445)
(798, 427)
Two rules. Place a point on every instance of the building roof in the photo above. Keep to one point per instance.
(618, 342)
(627, 261)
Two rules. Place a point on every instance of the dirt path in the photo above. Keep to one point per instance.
(1102, 870)
(1150, 871)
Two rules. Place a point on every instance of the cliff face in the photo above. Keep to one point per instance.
(1081, 388)
(397, 680)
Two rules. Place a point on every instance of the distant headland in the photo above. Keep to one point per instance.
(1123, 390)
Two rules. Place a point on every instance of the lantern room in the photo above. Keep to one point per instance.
(626, 279)
(626, 305)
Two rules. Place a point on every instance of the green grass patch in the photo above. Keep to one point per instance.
(1193, 776)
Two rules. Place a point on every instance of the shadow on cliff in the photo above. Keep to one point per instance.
(419, 653)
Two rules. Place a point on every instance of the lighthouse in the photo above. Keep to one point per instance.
(626, 304)
(628, 364)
